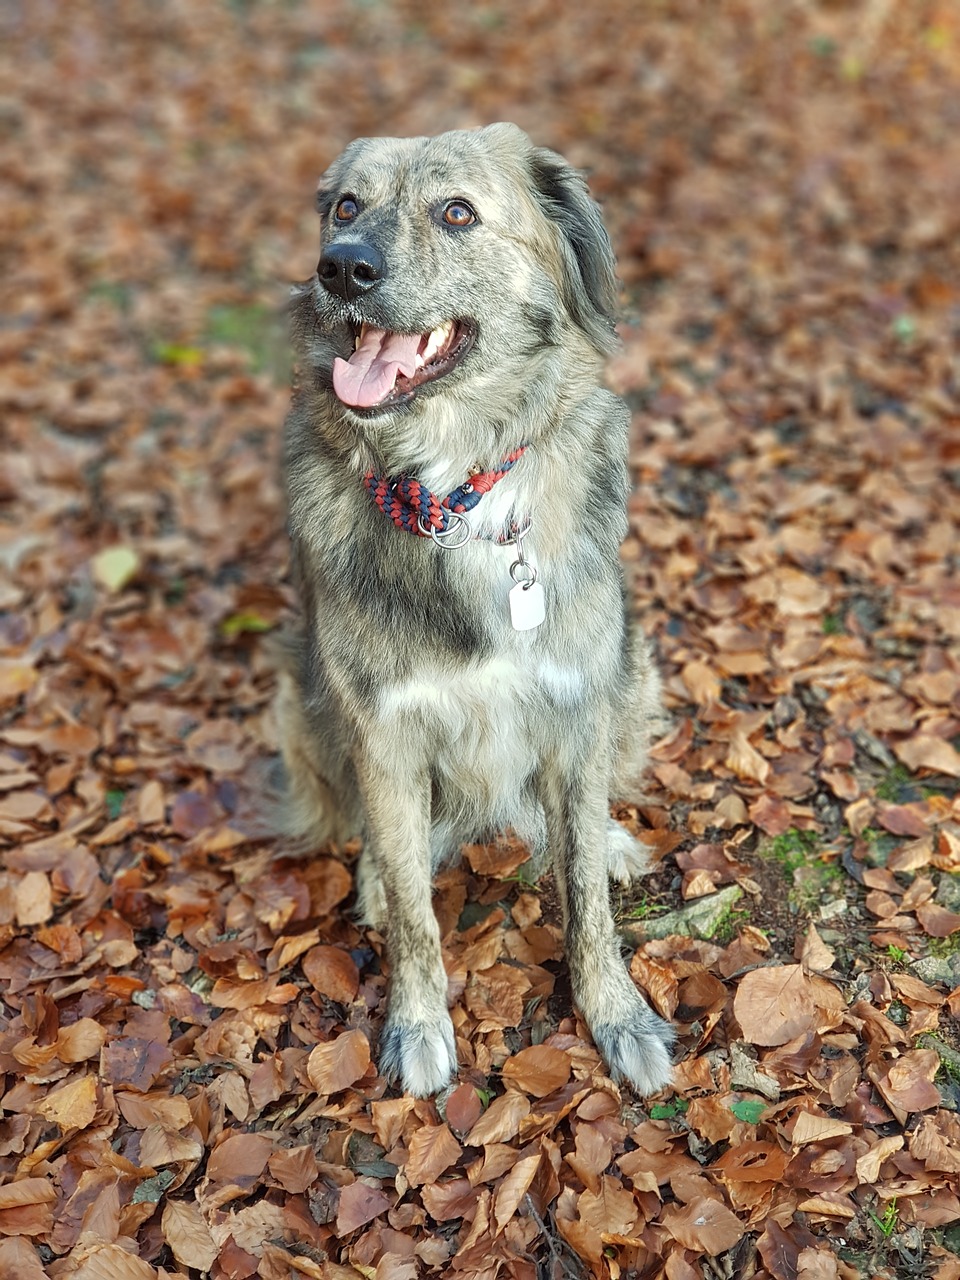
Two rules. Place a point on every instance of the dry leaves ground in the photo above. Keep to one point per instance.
(185, 1055)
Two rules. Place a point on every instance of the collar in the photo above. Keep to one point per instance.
(415, 509)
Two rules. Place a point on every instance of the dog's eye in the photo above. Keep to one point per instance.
(346, 210)
(458, 214)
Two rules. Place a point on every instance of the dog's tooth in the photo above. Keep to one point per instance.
(437, 339)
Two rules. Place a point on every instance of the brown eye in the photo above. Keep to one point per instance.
(458, 214)
(346, 210)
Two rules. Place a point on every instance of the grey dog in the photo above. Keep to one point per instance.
(457, 482)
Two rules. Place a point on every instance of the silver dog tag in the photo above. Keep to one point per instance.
(527, 606)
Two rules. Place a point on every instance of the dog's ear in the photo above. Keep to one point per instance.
(590, 283)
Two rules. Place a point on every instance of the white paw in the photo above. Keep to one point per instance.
(638, 1051)
(626, 857)
(634, 1041)
(422, 1055)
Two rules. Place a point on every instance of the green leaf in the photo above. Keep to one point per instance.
(238, 623)
(669, 1110)
(174, 353)
(151, 1191)
(749, 1110)
(115, 798)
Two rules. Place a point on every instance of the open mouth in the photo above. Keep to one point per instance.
(389, 368)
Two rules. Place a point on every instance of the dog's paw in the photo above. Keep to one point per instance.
(637, 1049)
(422, 1055)
(626, 857)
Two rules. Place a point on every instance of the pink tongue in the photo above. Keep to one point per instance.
(371, 372)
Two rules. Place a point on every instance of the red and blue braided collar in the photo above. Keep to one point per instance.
(415, 509)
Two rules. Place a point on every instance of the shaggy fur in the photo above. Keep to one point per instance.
(411, 710)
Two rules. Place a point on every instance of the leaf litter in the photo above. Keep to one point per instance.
(190, 1015)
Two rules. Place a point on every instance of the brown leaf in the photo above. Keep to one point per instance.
(239, 1158)
(98, 1261)
(745, 761)
(753, 1162)
(773, 1005)
(515, 1185)
(187, 1234)
(338, 1063)
(936, 1142)
(160, 1145)
(610, 1210)
(295, 1168)
(500, 1122)
(937, 921)
(702, 683)
(780, 1248)
(332, 972)
(813, 1128)
(33, 899)
(432, 1149)
(868, 1165)
(538, 1070)
(815, 955)
(923, 751)
(907, 1085)
(359, 1203)
(771, 814)
(27, 1191)
(19, 1260)
(463, 1108)
(389, 1118)
(703, 1225)
(142, 1110)
(134, 1062)
(151, 807)
(81, 1040)
(193, 813)
(73, 1105)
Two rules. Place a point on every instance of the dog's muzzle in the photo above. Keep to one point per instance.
(351, 269)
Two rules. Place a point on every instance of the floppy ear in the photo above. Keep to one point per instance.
(590, 283)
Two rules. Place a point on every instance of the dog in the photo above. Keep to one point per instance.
(457, 480)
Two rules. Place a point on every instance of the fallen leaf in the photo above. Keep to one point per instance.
(359, 1203)
(332, 972)
(538, 1070)
(703, 1225)
(187, 1234)
(339, 1063)
(115, 567)
(73, 1105)
(431, 1150)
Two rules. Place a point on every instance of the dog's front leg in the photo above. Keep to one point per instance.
(634, 1042)
(417, 1042)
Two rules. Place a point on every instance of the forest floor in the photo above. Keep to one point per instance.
(188, 1026)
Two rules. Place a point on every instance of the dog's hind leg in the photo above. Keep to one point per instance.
(634, 1042)
(417, 1042)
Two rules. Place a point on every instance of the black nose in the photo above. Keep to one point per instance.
(350, 269)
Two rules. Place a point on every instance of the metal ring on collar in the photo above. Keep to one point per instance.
(527, 575)
(517, 535)
(443, 538)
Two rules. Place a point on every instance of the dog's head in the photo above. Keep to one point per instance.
(454, 262)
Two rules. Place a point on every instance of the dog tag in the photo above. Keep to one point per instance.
(527, 606)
